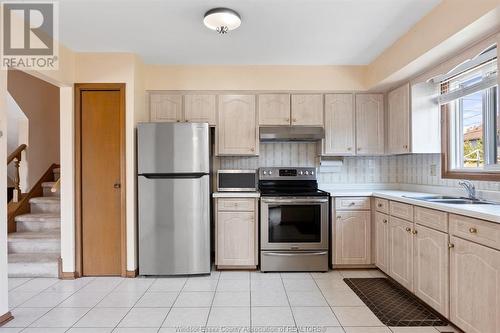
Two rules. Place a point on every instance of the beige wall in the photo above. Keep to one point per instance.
(449, 27)
(39, 101)
(165, 77)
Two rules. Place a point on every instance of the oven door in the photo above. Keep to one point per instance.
(294, 223)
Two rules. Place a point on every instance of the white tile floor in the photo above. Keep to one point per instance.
(265, 302)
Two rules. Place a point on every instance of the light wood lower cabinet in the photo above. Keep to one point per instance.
(352, 238)
(430, 278)
(474, 287)
(401, 251)
(382, 241)
(236, 233)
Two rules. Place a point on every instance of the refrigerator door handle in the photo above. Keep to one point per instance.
(174, 175)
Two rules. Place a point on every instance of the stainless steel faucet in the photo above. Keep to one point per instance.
(469, 188)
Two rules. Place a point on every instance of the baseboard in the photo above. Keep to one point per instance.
(65, 275)
(5, 318)
(132, 274)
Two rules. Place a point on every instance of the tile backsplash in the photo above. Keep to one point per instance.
(418, 169)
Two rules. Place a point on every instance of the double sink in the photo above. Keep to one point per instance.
(453, 200)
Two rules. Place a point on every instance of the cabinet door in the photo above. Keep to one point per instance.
(307, 110)
(382, 242)
(236, 239)
(339, 124)
(236, 125)
(401, 252)
(352, 238)
(274, 109)
(165, 107)
(430, 279)
(474, 287)
(369, 124)
(199, 109)
(398, 138)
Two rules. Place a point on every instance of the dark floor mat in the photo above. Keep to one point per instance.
(394, 305)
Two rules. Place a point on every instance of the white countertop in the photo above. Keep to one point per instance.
(485, 212)
(236, 194)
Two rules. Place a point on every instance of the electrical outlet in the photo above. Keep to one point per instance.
(433, 170)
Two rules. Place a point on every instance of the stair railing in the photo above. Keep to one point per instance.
(15, 157)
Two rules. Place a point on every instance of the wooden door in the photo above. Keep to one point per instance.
(339, 125)
(352, 238)
(237, 125)
(307, 109)
(200, 109)
(430, 271)
(274, 109)
(474, 287)
(369, 124)
(398, 138)
(382, 242)
(165, 107)
(401, 252)
(100, 167)
(236, 239)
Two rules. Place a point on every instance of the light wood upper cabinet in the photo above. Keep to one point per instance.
(352, 238)
(398, 133)
(274, 109)
(369, 124)
(339, 125)
(200, 109)
(236, 232)
(382, 241)
(430, 281)
(165, 107)
(307, 109)
(237, 125)
(474, 287)
(401, 252)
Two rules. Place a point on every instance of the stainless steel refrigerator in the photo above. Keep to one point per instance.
(174, 198)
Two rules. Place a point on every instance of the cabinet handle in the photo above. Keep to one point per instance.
(405, 146)
(408, 229)
(339, 217)
(359, 149)
(349, 148)
(385, 221)
(451, 245)
(287, 120)
(252, 149)
(352, 203)
(294, 120)
(178, 121)
(379, 205)
(473, 230)
(414, 231)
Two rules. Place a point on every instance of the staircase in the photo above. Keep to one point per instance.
(34, 249)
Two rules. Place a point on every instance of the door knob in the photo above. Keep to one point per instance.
(117, 185)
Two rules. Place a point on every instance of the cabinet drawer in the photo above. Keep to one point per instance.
(236, 204)
(382, 205)
(431, 218)
(401, 210)
(482, 232)
(352, 203)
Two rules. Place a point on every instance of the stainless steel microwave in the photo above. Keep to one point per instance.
(236, 180)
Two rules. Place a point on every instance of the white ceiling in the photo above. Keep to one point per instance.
(273, 32)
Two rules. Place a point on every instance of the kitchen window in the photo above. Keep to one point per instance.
(471, 119)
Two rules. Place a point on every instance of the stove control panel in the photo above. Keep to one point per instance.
(287, 173)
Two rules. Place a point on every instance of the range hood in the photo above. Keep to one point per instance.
(291, 133)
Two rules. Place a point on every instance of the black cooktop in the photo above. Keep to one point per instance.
(292, 193)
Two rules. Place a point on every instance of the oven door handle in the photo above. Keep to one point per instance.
(294, 200)
(294, 253)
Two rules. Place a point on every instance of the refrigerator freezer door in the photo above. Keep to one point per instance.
(174, 226)
(166, 148)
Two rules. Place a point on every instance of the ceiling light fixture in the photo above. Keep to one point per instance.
(222, 20)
